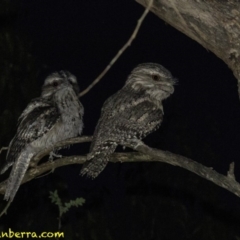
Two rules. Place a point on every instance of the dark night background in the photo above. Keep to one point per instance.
(129, 200)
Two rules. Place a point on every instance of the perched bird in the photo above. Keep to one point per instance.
(55, 116)
(130, 114)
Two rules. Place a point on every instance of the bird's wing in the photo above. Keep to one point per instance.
(34, 103)
(35, 122)
(120, 122)
(132, 116)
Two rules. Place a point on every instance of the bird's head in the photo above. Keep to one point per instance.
(154, 79)
(58, 81)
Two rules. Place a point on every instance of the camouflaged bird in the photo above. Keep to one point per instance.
(55, 116)
(130, 114)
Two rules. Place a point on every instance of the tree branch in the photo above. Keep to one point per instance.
(58, 146)
(228, 182)
(3, 149)
(120, 52)
(144, 154)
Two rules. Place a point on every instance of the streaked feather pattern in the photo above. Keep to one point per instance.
(131, 113)
(53, 117)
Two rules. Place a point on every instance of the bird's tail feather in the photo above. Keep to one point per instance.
(18, 171)
(94, 167)
(98, 159)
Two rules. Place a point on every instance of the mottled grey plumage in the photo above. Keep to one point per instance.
(54, 116)
(130, 114)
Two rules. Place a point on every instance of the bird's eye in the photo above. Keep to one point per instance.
(155, 77)
(55, 84)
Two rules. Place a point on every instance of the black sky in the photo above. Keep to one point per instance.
(201, 119)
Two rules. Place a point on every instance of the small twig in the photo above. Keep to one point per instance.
(120, 52)
(230, 173)
(3, 149)
(4, 211)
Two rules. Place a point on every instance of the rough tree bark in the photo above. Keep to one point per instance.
(215, 24)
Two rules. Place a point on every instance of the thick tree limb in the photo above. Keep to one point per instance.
(144, 154)
(214, 24)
